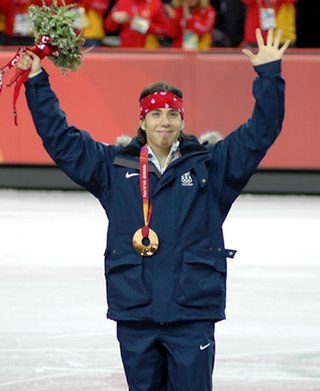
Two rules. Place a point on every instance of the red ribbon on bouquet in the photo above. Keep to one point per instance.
(42, 49)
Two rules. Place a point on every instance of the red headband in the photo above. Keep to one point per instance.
(161, 100)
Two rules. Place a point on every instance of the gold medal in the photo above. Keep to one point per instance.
(145, 246)
(145, 241)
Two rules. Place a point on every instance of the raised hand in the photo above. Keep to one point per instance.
(269, 51)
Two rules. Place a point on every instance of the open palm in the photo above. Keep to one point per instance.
(269, 51)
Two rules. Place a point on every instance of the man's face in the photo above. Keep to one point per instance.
(162, 127)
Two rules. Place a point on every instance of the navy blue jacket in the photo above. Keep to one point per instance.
(186, 278)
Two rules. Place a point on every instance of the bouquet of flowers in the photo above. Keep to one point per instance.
(57, 23)
(55, 38)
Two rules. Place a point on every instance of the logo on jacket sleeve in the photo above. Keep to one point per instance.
(186, 179)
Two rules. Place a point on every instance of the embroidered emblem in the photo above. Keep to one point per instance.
(186, 179)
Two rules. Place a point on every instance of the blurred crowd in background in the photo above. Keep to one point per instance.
(189, 24)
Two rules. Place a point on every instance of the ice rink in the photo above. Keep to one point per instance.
(53, 330)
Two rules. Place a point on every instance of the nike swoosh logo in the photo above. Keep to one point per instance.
(203, 347)
(131, 174)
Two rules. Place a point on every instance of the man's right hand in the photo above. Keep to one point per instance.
(29, 60)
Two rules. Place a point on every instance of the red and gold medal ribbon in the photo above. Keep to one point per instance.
(145, 241)
(144, 189)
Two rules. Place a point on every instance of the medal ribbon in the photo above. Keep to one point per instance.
(144, 189)
(42, 49)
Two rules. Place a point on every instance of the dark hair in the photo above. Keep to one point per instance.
(157, 87)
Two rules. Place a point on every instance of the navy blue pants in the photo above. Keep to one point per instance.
(170, 357)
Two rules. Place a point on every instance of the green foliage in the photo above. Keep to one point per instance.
(57, 23)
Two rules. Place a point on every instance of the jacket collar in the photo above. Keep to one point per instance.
(187, 146)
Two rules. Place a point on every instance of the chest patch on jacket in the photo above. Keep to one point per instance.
(186, 179)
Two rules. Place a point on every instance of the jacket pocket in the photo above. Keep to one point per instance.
(128, 282)
(202, 281)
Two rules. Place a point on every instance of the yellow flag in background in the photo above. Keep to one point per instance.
(286, 21)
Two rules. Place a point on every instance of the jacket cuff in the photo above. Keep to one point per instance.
(39, 79)
(268, 68)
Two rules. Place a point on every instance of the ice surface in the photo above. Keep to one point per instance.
(53, 331)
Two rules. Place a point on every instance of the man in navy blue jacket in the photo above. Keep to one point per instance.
(166, 197)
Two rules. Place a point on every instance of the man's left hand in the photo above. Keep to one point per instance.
(269, 51)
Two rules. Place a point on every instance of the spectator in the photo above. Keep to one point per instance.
(140, 22)
(111, 39)
(1, 26)
(94, 30)
(228, 30)
(192, 24)
(17, 27)
(263, 14)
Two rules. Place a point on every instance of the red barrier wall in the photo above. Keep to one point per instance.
(102, 97)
